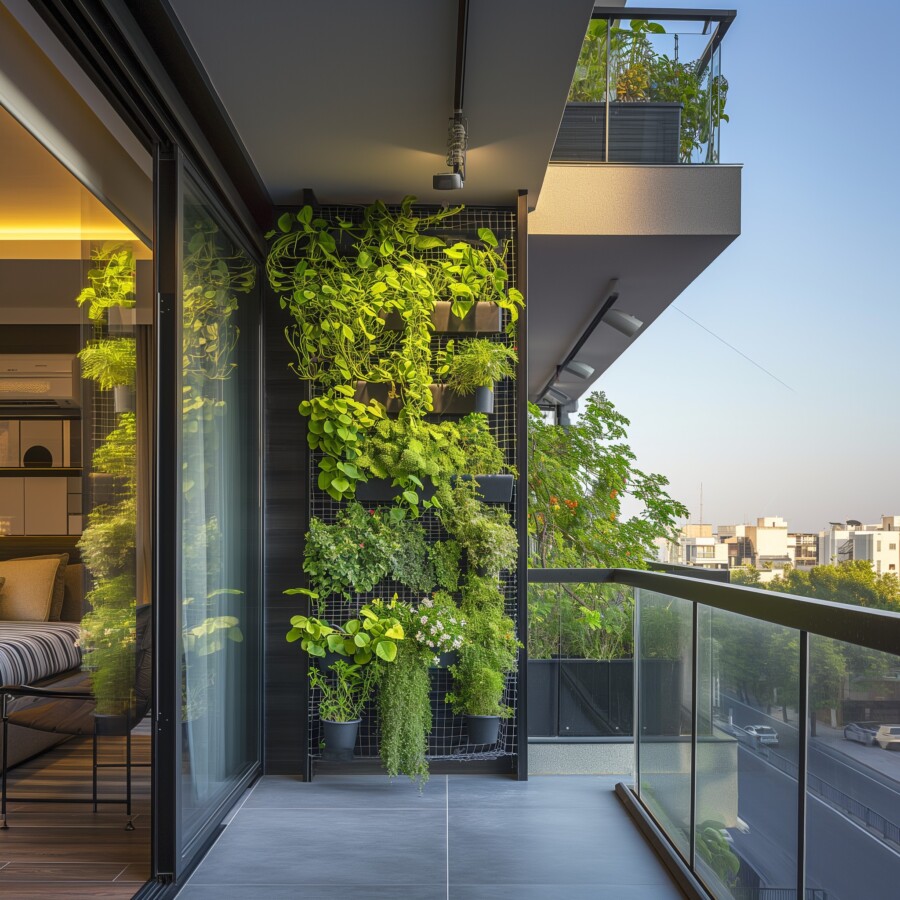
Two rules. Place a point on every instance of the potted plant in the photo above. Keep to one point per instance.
(343, 698)
(488, 654)
(474, 367)
(483, 531)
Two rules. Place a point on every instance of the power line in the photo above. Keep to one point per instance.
(732, 347)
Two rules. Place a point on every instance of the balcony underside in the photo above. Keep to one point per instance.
(653, 228)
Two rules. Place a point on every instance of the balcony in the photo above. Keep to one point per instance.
(755, 770)
(647, 93)
(635, 203)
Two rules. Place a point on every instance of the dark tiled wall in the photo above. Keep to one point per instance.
(285, 524)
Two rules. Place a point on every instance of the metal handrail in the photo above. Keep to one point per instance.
(873, 628)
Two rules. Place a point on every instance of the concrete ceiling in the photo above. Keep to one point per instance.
(352, 98)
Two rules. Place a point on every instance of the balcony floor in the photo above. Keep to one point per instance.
(465, 837)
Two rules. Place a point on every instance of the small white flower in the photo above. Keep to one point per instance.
(420, 636)
(424, 620)
(431, 643)
(428, 602)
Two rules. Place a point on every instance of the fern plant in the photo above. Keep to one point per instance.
(111, 362)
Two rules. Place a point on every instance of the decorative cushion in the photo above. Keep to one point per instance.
(59, 586)
(27, 594)
(73, 603)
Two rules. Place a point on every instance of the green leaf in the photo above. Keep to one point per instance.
(396, 632)
(340, 484)
(285, 221)
(348, 332)
(411, 497)
(486, 235)
(305, 215)
(386, 651)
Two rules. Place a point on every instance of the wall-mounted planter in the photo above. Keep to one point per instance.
(491, 489)
(446, 402)
(483, 318)
(123, 398)
(328, 660)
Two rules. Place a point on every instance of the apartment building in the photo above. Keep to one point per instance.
(878, 543)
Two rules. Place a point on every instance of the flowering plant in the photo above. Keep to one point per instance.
(437, 624)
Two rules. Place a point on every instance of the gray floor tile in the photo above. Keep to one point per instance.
(549, 846)
(332, 846)
(569, 892)
(346, 792)
(570, 791)
(313, 892)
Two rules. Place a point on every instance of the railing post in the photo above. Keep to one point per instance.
(802, 760)
(695, 656)
(636, 689)
(606, 105)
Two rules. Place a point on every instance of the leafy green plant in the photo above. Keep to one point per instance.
(111, 362)
(481, 452)
(345, 694)
(340, 281)
(374, 634)
(111, 281)
(404, 702)
(445, 557)
(483, 531)
(487, 655)
(478, 362)
(716, 852)
(350, 556)
(410, 563)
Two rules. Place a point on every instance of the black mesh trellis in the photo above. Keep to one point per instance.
(448, 737)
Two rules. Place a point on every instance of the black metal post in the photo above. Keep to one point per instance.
(130, 825)
(695, 656)
(94, 767)
(5, 826)
(522, 487)
(802, 762)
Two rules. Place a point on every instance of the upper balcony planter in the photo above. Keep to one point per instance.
(646, 133)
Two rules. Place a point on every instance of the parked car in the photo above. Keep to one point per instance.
(862, 732)
(764, 734)
(888, 737)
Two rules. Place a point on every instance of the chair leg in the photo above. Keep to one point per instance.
(130, 825)
(94, 794)
(4, 826)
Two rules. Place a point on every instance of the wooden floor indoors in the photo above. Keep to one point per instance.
(66, 851)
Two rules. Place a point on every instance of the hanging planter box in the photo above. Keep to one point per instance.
(446, 402)
(482, 318)
(491, 489)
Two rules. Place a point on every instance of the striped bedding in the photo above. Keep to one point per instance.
(30, 651)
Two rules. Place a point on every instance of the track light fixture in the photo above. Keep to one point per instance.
(458, 132)
(579, 370)
(623, 322)
(556, 396)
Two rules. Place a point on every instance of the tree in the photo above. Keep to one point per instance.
(578, 475)
(854, 583)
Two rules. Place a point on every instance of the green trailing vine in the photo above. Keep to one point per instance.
(111, 362)
(341, 282)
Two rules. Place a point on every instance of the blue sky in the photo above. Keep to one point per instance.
(809, 290)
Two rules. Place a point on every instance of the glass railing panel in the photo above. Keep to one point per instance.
(747, 756)
(664, 651)
(580, 671)
(853, 783)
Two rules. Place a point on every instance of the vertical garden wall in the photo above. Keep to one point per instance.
(406, 583)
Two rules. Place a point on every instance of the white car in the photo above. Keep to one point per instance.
(764, 734)
(888, 737)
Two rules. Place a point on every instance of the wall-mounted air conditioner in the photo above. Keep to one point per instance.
(39, 381)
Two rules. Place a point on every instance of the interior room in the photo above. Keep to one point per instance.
(74, 533)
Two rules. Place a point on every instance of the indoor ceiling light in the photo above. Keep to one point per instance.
(556, 396)
(623, 322)
(578, 370)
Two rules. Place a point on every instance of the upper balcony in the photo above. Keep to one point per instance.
(647, 92)
(635, 203)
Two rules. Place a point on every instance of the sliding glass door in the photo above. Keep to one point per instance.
(210, 491)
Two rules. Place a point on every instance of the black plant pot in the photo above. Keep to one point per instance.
(484, 399)
(340, 739)
(483, 729)
(448, 658)
(491, 489)
(328, 660)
